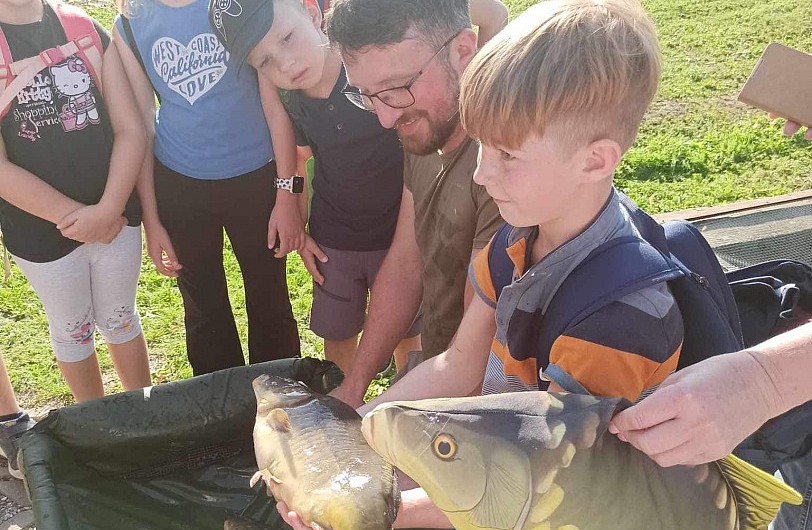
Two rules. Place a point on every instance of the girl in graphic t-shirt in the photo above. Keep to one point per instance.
(68, 165)
(210, 168)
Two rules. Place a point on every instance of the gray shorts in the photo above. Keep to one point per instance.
(340, 305)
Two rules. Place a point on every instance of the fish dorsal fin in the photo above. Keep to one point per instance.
(758, 494)
(278, 420)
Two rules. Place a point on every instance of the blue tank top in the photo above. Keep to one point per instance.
(210, 124)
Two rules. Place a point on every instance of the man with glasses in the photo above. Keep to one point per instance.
(404, 59)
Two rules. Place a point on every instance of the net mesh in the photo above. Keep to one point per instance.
(746, 238)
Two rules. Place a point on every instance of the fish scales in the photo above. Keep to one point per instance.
(345, 462)
(538, 460)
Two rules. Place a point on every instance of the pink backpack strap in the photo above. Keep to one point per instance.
(83, 41)
(80, 29)
(6, 75)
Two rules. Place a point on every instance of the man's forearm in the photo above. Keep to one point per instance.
(394, 302)
(787, 363)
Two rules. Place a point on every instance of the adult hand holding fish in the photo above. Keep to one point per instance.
(702, 412)
(312, 456)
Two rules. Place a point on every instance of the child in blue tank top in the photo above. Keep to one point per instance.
(210, 169)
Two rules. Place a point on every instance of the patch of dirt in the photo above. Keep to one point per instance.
(665, 109)
(8, 508)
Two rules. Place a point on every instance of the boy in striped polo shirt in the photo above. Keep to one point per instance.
(555, 100)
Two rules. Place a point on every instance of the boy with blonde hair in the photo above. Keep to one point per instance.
(555, 100)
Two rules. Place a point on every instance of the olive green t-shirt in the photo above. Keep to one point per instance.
(453, 216)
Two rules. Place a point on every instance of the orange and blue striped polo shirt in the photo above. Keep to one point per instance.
(625, 349)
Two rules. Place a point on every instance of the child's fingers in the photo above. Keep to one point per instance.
(272, 233)
(171, 257)
(318, 252)
(72, 232)
(310, 264)
(285, 246)
(790, 128)
(167, 269)
(164, 268)
(68, 220)
(808, 134)
(301, 241)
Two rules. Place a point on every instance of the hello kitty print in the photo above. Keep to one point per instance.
(62, 95)
(73, 80)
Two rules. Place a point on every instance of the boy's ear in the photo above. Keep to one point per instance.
(463, 49)
(314, 12)
(601, 160)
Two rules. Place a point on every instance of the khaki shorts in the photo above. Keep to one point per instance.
(340, 305)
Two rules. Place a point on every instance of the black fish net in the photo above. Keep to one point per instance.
(746, 238)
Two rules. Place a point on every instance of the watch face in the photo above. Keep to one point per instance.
(298, 184)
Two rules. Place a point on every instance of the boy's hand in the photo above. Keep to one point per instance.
(286, 223)
(790, 128)
(92, 224)
(310, 253)
(293, 519)
(160, 249)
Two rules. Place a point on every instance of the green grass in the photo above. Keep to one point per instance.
(697, 147)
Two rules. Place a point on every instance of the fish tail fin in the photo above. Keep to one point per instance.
(758, 494)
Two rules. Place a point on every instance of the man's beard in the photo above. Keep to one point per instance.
(440, 130)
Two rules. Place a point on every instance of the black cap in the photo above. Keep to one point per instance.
(240, 25)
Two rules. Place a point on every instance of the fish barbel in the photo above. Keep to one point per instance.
(546, 461)
(311, 452)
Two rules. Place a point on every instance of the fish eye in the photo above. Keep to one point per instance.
(444, 446)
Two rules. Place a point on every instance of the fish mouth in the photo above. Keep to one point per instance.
(261, 382)
(375, 425)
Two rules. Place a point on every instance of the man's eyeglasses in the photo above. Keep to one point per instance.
(399, 97)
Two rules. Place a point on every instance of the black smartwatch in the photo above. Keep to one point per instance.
(294, 184)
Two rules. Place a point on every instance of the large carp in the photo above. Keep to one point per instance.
(310, 450)
(545, 461)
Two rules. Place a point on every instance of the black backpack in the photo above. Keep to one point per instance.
(677, 253)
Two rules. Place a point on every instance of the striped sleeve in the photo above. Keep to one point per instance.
(479, 274)
(623, 350)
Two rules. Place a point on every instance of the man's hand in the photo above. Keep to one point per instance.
(311, 253)
(160, 249)
(92, 224)
(790, 127)
(700, 413)
(348, 395)
(285, 222)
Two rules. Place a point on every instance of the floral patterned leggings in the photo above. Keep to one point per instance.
(91, 288)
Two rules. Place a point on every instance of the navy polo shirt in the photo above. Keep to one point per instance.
(358, 180)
